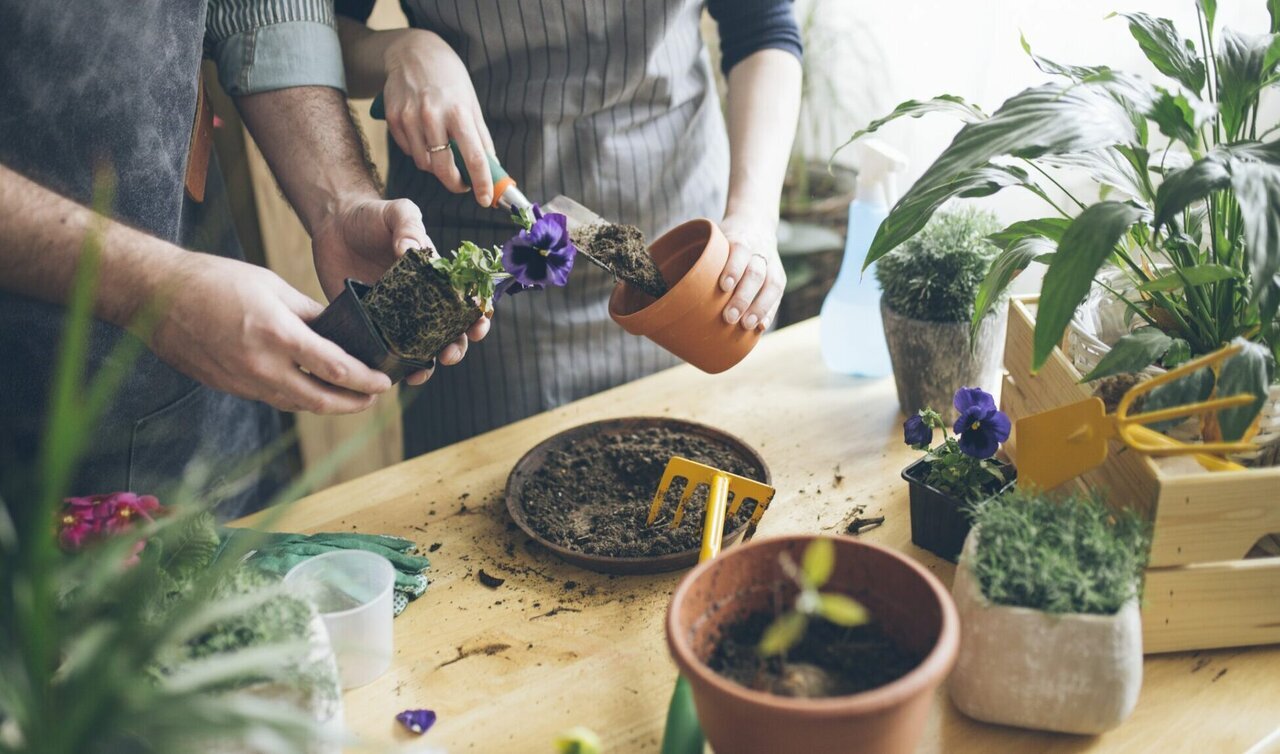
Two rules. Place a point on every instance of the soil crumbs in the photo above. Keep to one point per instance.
(622, 249)
(416, 309)
(830, 660)
(594, 496)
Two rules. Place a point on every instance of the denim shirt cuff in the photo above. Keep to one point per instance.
(279, 56)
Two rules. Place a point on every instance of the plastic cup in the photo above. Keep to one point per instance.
(352, 590)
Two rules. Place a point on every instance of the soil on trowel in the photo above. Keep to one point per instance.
(621, 249)
(594, 496)
(830, 660)
(416, 309)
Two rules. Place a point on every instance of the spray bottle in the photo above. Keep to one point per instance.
(851, 333)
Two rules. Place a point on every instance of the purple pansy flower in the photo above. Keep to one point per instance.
(981, 426)
(417, 720)
(540, 255)
(916, 433)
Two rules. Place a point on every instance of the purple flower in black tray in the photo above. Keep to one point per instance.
(981, 426)
(417, 720)
(916, 433)
(541, 254)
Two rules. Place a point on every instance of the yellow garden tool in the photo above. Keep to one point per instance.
(1060, 444)
(683, 734)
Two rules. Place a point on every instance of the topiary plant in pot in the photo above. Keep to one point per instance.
(1047, 591)
(928, 287)
(1186, 214)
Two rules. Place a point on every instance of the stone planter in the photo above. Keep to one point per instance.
(931, 360)
(1070, 673)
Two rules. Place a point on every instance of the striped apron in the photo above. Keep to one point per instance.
(609, 102)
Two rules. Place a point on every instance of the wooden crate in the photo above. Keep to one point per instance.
(1200, 591)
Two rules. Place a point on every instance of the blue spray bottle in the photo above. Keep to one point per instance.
(851, 333)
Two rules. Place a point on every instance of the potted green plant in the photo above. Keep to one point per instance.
(926, 303)
(1187, 224)
(1047, 592)
(808, 644)
(951, 477)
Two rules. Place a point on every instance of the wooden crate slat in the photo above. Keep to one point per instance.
(1211, 605)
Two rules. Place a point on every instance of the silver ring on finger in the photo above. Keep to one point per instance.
(763, 261)
(439, 148)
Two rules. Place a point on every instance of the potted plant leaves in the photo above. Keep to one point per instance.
(926, 303)
(809, 644)
(1047, 591)
(1182, 236)
(425, 301)
(961, 471)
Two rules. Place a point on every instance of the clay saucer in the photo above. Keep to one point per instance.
(533, 460)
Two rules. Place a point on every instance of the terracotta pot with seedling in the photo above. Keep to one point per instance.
(1047, 591)
(963, 470)
(426, 300)
(810, 644)
(927, 299)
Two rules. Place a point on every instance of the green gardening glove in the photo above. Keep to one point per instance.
(276, 553)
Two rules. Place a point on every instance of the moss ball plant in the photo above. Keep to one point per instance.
(935, 276)
(1068, 554)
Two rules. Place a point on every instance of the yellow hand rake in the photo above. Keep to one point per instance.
(720, 484)
(1060, 444)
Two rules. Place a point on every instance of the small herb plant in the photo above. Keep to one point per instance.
(811, 575)
(1070, 554)
(962, 465)
(935, 275)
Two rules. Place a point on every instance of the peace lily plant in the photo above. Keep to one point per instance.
(1188, 215)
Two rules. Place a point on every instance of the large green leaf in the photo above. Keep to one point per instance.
(1255, 180)
(1012, 260)
(1190, 277)
(943, 103)
(1132, 353)
(1273, 10)
(1084, 247)
(1073, 72)
(1107, 167)
(1242, 72)
(1179, 115)
(1249, 372)
(1047, 119)
(1210, 10)
(1193, 388)
(1051, 228)
(1168, 51)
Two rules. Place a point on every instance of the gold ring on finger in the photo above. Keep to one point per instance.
(440, 148)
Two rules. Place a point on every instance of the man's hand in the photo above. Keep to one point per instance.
(241, 329)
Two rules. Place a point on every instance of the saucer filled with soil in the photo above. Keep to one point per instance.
(585, 493)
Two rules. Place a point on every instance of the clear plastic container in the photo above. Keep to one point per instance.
(352, 590)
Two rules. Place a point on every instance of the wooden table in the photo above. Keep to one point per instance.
(555, 646)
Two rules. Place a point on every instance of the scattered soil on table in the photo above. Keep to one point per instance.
(594, 496)
(830, 660)
(416, 309)
(621, 248)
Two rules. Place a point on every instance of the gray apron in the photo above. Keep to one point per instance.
(612, 103)
(98, 83)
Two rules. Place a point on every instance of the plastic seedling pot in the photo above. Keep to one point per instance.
(939, 522)
(352, 590)
(346, 322)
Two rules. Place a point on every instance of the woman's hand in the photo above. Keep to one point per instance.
(429, 100)
(753, 271)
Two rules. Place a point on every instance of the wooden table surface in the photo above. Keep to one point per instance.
(556, 646)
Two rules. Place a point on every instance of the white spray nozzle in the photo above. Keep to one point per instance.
(877, 168)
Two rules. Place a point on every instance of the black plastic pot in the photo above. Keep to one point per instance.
(346, 323)
(939, 522)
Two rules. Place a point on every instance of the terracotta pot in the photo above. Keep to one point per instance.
(1071, 673)
(910, 603)
(687, 321)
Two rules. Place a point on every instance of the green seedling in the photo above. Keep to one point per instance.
(810, 575)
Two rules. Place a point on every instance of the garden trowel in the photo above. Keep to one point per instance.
(1057, 445)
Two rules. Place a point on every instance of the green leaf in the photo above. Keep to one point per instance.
(1051, 228)
(1132, 353)
(1004, 268)
(1084, 247)
(1249, 372)
(1180, 115)
(819, 562)
(1194, 387)
(1190, 277)
(943, 103)
(1168, 51)
(1179, 352)
(1273, 10)
(1210, 10)
(783, 634)
(1073, 72)
(1048, 119)
(1255, 180)
(842, 610)
(1242, 73)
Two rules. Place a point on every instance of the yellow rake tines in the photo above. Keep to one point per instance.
(721, 483)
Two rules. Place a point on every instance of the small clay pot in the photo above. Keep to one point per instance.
(345, 322)
(688, 320)
(1071, 673)
(939, 522)
(910, 604)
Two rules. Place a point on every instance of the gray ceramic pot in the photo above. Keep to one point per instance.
(931, 360)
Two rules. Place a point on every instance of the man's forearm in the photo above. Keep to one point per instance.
(42, 236)
(312, 146)
(764, 104)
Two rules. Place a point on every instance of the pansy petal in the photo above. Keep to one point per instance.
(998, 425)
(417, 720)
(973, 397)
(978, 443)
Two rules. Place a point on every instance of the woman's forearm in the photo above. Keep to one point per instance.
(764, 105)
(364, 55)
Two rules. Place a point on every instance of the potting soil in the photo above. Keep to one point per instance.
(622, 249)
(416, 309)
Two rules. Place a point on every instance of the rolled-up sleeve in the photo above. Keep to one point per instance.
(261, 45)
(748, 26)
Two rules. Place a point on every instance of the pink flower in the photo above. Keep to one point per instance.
(89, 518)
